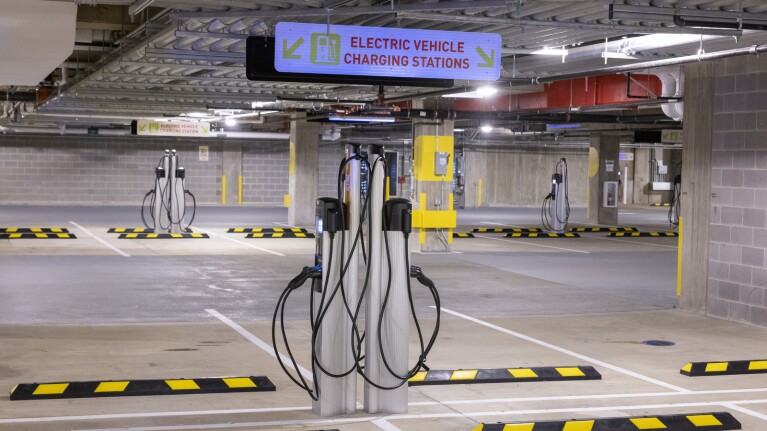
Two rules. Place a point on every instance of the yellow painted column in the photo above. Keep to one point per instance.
(223, 189)
(679, 260)
(239, 190)
(479, 193)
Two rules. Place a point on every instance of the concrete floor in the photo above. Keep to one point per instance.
(83, 310)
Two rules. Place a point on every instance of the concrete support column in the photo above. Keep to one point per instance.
(603, 167)
(303, 170)
(232, 161)
(696, 185)
(433, 192)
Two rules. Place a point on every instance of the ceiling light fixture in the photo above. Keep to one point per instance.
(344, 119)
(486, 91)
(486, 128)
(231, 122)
(552, 51)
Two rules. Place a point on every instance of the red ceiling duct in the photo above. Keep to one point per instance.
(571, 93)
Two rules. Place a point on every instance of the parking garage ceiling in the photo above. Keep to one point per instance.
(137, 59)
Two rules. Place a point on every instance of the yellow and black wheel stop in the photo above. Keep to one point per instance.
(125, 388)
(33, 230)
(604, 229)
(462, 235)
(724, 368)
(130, 230)
(37, 236)
(505, 229)
(718, 421)
(162, 235)
(643, 234)
(266, 230)
(660, 205)
(281, 235)
(542, 235)
(504, 375)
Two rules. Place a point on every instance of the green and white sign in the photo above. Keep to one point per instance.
(390, 52)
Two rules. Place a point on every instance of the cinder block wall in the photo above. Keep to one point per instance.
(737, 274)
(523, 176)
(52, 169)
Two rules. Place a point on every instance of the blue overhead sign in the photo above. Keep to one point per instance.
(392, 52)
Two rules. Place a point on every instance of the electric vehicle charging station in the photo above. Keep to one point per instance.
(555, 212)
(340, 350)
(167, 200)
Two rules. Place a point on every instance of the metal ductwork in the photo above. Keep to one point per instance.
(672, 81)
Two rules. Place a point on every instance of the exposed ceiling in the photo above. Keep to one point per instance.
(167, 58)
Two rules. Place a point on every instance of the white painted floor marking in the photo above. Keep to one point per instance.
(631, 241)
(385, 425)
(373, 419)
(238, 425)
(284, 224)
(152, 415)
(576, 409)
(500, 224)
(413, 404)
(257, 341)
(745, 411)
(240, 242)
(568, 352)
(530, 243)
(113, 248)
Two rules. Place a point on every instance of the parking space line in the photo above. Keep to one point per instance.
(628, 240)
(531, 243)
(465, 415)
(500, 224)
(413, 404)
(257, 341)
(744, 410)
(568, 352)
(241, 242)
(385, 425)
(110, 246)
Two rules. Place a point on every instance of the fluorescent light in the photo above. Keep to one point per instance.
(458, 130)
(479, 93)
(486, 129)
(197, 114)
(344, 119)
(230, 122)
(486, 90)
(551, 51)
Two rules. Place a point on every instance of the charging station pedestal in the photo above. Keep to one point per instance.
(337, 394)
(168, 209)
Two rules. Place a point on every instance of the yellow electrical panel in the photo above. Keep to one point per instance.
(426, 149)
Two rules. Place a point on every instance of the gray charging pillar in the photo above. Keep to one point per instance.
(561, 203)
(176, 192)
(336, 395)
(161, 202)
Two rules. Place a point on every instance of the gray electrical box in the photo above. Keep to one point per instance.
(440, 163)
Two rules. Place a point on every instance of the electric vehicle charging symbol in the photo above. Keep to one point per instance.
(326, 49)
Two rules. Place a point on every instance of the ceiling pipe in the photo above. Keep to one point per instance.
(751, 50)
(323, 12)
(566, 117)
(565, 24)
(740, 25)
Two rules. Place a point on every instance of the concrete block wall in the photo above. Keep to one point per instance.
(98, 170)
(737, 274)
(51, 169)
(522, 177)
